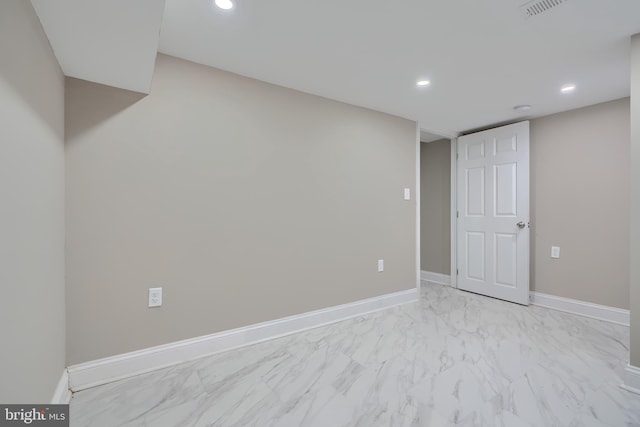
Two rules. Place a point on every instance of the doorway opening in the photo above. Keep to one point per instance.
(474, 211)
(435, 208)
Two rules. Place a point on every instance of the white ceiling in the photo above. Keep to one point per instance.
(112, 42)
(482, 57)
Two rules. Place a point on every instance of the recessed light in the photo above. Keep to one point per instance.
(523, 107)
(423, 83)
(568, 88)
(224, 4)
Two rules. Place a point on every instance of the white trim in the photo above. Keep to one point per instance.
(103, 371)
(417, 199)
(631, 379)
(582, 308)
(453, 279)
(62, 394)
(429, 276)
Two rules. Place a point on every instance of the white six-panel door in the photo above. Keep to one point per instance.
(493, 213)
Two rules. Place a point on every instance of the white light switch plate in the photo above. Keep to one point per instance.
(555, 251)
(155, 297)
(407, 194)
(380, 265)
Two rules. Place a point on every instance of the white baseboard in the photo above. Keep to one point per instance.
(631, 379)
(103, 371)
(587, 309)
(442, 279)
(62, 394)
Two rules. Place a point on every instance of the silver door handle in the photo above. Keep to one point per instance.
(521, 225)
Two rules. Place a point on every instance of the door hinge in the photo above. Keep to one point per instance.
(457, 155)
(457, 272)
(457, 214)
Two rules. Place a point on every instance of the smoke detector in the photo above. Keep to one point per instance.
(537, 7)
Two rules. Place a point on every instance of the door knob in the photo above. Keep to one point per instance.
(521, 225)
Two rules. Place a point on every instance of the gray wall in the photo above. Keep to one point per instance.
(635, 202)
(435, 206)
(245, 201)
(32, 325)
(580, 202)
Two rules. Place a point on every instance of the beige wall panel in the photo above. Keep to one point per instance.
(32, 290)
(245, 201)
(580, 202)
(435, 209)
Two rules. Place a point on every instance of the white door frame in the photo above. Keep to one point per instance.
(417, 199)
(454, 212)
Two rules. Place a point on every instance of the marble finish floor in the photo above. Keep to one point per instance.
(451, 359)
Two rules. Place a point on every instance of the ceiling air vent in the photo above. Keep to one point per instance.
(536, 7)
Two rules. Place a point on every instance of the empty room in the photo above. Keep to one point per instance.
(366, 213)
